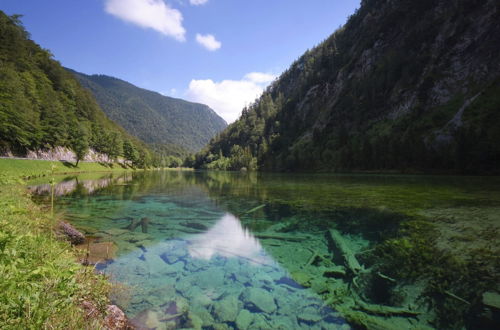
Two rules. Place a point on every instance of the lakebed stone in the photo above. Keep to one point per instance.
(309, 315)
(492, 300)
(115, 319)
(227, 309)
(244, 319)
(260, 299)
(97, 252)
(147, 319)
(302, 278)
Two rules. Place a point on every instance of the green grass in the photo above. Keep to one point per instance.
(13, 170)
(41, 283)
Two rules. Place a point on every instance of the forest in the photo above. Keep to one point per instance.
(168, 125)
(44, 106)
(420, 98)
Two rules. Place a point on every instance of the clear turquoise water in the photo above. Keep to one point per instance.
(229, 250)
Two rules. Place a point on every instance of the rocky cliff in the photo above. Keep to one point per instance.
(404, 85)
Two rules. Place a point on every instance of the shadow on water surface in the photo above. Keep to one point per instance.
(382, 252)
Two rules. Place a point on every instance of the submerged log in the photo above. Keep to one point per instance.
(70, 233)
(313, 258)
(454, 296)
(366, 321)
(340, 245)
(282, 237)
(255, 209)
(143, 222)
(385, 310)
(194, 225)
(385, 277)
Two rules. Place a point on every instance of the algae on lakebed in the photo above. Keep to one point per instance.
(379, 251)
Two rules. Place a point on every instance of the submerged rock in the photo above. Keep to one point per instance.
(221, 326)
(204, 315)
(156, 265)
(173, 254)
(262, 279)
(285, 323)
(244, 319)
(211, 278)
(227, 309)
(492, 300)
(319, 285)
(259, 299)
(194, 321)
(302, 278)
(260, 322)
(115, 319)
(309, 315)
(97, 252)
(169, 259)
(147, 319)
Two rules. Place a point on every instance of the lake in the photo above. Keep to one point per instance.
(222, 250)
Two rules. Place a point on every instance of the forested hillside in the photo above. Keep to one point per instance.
(404, 85)
(42, 106)
(165, 123)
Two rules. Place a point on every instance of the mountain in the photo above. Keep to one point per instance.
(154, 118)
(42, 106)
(403, 85)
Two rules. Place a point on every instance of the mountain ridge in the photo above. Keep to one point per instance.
(43, 107)
(373, 97)
(163, 120)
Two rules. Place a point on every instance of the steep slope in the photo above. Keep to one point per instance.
(406, 85)
(42, 106)
(152, 117)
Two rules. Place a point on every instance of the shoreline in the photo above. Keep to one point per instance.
(43, 284)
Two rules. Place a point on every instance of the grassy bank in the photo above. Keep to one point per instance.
(11, 170)
(42, 285)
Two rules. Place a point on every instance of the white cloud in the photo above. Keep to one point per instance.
(260, 78)
(208, 41)
(198, 2)
(229, 97)
(153, 14)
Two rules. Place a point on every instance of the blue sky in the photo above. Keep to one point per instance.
(218, 52)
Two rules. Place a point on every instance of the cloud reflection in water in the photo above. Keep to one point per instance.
(229, 239)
